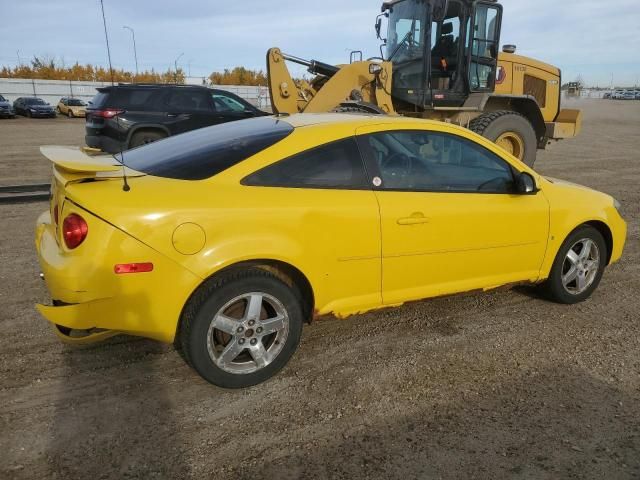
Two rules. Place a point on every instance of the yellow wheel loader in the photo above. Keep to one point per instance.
(440, 60)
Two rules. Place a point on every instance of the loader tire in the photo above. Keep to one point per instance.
(359, 107)
(509, 130)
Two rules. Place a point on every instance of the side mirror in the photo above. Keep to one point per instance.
(526, 184)
(379, 26)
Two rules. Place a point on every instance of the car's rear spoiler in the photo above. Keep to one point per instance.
(74, 163)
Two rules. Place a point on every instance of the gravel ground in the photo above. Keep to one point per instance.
(488, 386)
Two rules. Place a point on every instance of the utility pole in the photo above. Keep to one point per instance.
(104, 22)
(135, 52)
(175, 64)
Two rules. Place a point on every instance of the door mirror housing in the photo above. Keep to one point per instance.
(379, 26)
(526, 184)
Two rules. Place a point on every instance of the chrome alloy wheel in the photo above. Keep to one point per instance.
(580, 266)
(247, 333)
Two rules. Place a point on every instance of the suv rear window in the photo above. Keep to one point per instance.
(208, 151)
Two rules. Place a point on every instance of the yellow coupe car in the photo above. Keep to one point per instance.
(225, 240)
(72, 107)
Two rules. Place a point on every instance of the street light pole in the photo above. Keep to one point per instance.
(135, 52)
(175, 64)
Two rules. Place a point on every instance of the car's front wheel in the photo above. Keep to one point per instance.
(70, 113)
(578, 266)
(241, 328)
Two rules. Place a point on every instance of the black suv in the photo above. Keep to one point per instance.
(125, 116)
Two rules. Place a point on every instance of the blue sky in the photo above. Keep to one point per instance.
(593, 38)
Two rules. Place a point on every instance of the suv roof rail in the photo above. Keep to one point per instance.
(180, 85)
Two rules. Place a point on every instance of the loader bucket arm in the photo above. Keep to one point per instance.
(363, 82)
(282, 89)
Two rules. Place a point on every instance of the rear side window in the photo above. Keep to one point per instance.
(189, 101)
(334, 165)
(98, 101)
(205, 152)
(127, 98)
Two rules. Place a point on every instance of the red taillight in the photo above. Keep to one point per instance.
(74, 230)
(106, 113)
(133, 267)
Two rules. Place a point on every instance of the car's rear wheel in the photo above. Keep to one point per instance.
(144, 137)
(578, 266)
(241, 328)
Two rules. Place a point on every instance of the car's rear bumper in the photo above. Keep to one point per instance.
(90, 297)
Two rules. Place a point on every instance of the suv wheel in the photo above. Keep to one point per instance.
(144, 137)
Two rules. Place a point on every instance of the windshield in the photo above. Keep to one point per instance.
(34, 101)
(2, 99)
(74, 102)
(405, 37)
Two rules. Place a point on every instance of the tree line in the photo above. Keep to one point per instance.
(49, 69)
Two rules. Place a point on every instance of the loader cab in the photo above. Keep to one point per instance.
(442, 50)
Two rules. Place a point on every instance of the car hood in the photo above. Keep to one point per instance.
(577, 186)
(40, 107)
(5, 103)
(579, 194)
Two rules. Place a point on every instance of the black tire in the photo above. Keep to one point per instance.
(358, 107)
(194, 338)
(492, 125)
(553, 287)
(70, 113)
(29, 114)
(145, 136)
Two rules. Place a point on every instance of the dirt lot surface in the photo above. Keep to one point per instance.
(488, 386)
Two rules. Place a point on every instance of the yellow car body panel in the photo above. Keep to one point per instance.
(358, 249)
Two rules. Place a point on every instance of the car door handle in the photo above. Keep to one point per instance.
(416, 218)
(174, 115)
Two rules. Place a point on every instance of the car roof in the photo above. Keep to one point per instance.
(308, 119)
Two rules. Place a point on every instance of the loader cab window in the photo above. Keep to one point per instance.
(406, 46)
(484, 39)
(445, 48)
(405, 38)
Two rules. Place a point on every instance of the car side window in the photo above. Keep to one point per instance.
(418, 160)
(334, 165)
(224, 103)
(189, 101)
